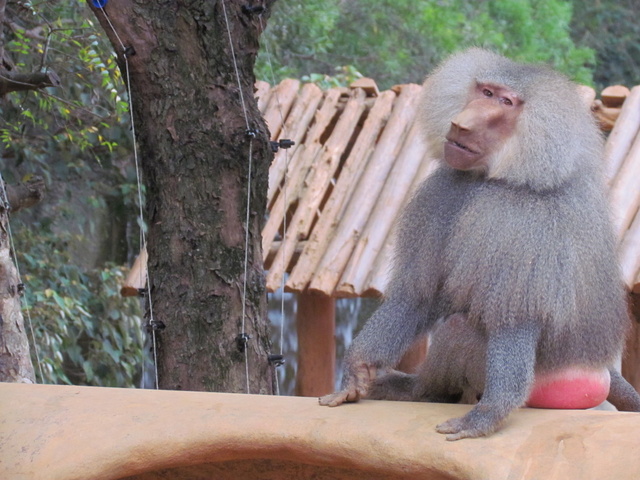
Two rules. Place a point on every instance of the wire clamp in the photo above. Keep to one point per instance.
(284, 143)
(155, 326)
(251, 9)
(241, 341)
(276, 360)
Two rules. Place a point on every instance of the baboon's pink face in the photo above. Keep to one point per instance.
(488, 119)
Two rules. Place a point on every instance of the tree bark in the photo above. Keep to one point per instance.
(15, 361)
(194, 150)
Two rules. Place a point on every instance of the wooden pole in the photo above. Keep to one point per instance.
(624, 193)
(631, 357)
(623, 134)
(315, 322)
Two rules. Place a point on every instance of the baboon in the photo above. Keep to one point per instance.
(506, 253)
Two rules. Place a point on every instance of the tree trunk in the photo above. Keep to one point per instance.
(15, 361)
(194, 151)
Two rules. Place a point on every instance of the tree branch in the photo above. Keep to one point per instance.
(25, 195)
(3, 5)
(14, 81)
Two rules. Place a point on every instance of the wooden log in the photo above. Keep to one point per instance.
(262, 91)
(280, 101)
(315, 324)
(606, 116)
(376, 283)
(624, 193)
(298, 168)
(351, 171)
(634, 305)
(296, 126)
(631, 358)
(137, 278)
(623, 133)
(629, 253)
(368, 85)
(389, 205)
(366, 193)
(321, 122)
(614, 96)
(317, 182)
(324, 169)
(275, 246)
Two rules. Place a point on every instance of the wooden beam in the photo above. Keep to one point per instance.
(368, 85)
(137, 278)
(624, 193)
(623, 134)
(614, 96)
(316, 323)
(631, 357)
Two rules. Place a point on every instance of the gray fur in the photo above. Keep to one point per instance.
(522, 254)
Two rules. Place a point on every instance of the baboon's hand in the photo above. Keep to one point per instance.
(479, 422)
(356, 387)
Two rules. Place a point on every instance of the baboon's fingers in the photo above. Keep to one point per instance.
(357, 387)
(340, 397)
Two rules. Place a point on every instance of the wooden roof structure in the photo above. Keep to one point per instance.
(358, 156)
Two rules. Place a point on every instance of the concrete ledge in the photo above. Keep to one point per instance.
(61, 432)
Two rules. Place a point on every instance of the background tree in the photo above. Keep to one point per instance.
(399, 41)
(189, 99)
(72, 248)
(15, 362)
(610, 28)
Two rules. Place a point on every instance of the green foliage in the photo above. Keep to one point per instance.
(86, 332)
(84, 123)
(343, 77)
(311, 21)
(612, 29)
(399, 41)
(77, 137)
